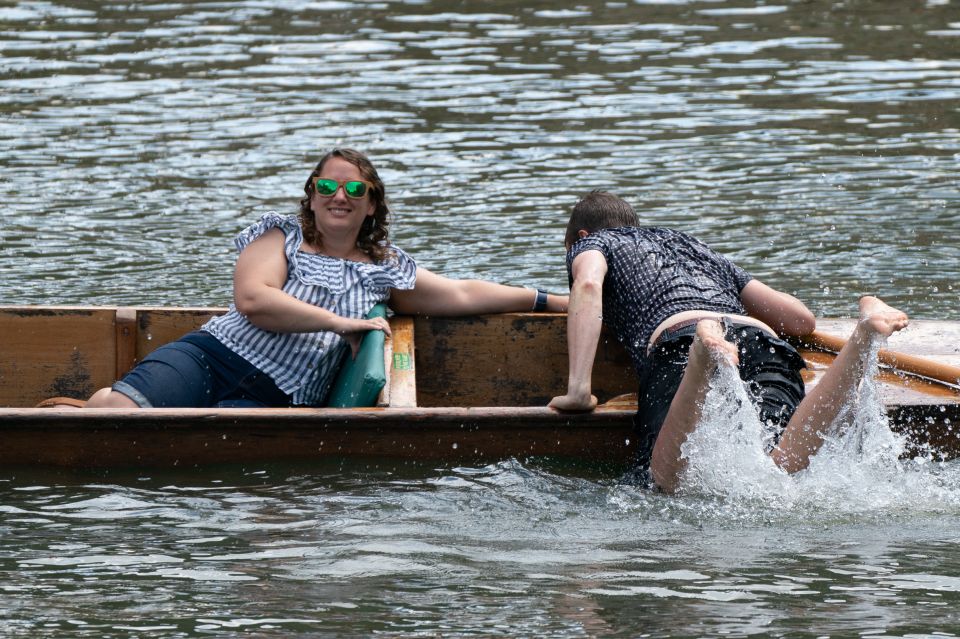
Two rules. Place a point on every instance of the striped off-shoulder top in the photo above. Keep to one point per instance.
(303, 365)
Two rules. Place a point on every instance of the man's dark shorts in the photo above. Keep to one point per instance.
(198, 371)
(770, 366)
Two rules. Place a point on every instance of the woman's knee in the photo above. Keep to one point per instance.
(109, 398)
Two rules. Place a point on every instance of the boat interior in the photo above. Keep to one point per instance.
(503, 360)
(514, 359)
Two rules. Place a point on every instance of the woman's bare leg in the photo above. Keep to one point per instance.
(708, 350)
(109, 398)
(804, 433)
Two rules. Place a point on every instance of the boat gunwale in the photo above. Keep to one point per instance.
(373, 414)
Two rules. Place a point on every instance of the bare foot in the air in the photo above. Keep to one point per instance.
(880, 319)
(709, 344)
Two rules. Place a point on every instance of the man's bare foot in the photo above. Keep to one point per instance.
(710, 345)
(880, 319)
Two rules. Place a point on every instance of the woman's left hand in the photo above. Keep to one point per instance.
(353, 330)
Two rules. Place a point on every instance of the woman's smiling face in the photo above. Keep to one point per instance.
(338, 214)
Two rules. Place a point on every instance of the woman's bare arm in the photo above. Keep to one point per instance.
(258, 294)
(437, 295)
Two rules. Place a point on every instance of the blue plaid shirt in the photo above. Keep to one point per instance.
(654, 273)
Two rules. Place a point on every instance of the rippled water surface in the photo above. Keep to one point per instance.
(815, 142)
(513, 549)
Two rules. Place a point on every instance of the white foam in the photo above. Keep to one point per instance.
(859, 469)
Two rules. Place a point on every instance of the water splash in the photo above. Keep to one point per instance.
(726, 454)
(861, 468)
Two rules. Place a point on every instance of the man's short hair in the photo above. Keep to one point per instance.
(596, 211)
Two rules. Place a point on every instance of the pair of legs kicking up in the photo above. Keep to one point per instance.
(805, 430)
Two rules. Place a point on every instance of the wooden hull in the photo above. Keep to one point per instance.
(172, 437)
(191, 437)
(470, 390)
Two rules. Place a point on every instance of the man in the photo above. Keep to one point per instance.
(681, 310)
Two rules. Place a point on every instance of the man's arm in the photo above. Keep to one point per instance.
(782, 312)
(584, 322)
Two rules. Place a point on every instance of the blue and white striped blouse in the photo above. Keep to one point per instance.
(303, 365)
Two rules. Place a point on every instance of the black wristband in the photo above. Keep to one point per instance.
(541, 303)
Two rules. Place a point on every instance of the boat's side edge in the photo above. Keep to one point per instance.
(188, 437)
(931, 430)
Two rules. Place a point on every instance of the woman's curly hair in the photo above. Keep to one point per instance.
(372, 239)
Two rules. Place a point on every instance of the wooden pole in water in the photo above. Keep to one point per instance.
(912, 364)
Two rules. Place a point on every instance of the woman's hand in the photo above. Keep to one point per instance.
(353, 330)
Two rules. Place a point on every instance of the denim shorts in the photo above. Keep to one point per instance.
(198, 371)
(770, 367)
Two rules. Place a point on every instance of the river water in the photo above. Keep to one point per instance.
(817, 143)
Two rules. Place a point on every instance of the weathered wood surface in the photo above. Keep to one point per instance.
(166, 437)
(73, 351)
(37, 360)
(466, 389)
(934, 340)
(515, 359)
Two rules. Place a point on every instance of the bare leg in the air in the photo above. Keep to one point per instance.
(804, 433)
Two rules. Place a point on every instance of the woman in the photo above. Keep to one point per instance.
(302, 288)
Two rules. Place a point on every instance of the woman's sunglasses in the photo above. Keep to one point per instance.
(355, 189)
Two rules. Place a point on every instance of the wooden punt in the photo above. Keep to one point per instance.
(460, 390)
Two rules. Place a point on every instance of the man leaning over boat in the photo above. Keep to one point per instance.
(681, 310)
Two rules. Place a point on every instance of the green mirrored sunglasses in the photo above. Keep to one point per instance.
(352, 188)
